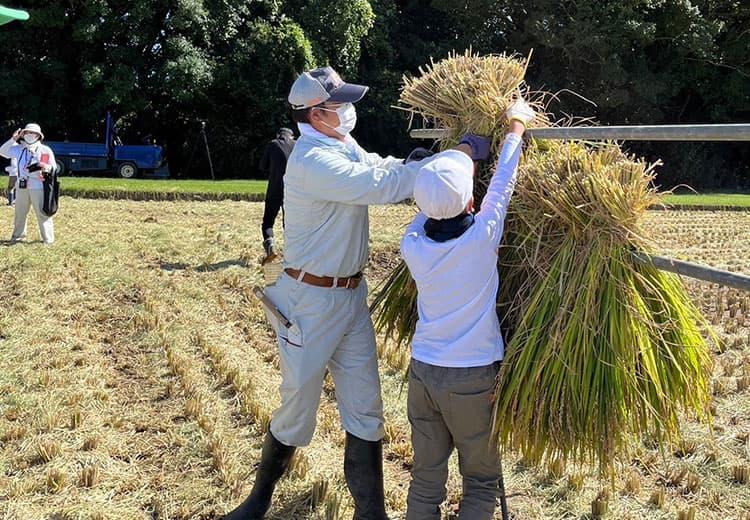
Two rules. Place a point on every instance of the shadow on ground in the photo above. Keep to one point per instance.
(202, 268)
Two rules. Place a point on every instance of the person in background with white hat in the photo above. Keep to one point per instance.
(12, 170)
(34, 160)
(329, 183)
(457, 347)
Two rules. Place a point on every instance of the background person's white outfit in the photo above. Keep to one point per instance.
(33, 195)
(12, 170)
(327, 188)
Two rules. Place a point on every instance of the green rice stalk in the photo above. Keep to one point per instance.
(395, 306)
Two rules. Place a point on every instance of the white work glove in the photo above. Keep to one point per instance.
(521, 111)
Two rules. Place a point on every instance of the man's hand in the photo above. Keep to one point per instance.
(480, 146)
(270, 250)
(17, 134)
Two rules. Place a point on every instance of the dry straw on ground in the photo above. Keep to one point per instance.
(152, 278)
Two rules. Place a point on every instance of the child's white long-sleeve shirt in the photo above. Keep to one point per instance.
(457, 280)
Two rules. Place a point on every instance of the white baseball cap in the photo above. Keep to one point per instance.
(445, 185)
(33, 127)
(322, 85)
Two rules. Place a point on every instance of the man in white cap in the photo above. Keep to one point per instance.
(457, 347)
(329, 183)
(33, 160)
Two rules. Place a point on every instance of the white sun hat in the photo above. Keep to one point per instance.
(445, 185)
(35, 128)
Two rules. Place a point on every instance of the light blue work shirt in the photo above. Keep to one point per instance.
(327, 187)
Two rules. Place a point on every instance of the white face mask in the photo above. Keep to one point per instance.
(30, 138)
(347, 119)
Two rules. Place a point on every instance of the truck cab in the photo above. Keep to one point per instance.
(113, 157)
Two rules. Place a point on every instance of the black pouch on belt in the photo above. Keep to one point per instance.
(22, 183)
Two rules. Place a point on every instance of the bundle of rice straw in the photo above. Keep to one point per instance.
(601, 348)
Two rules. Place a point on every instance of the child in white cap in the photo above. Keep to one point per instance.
(457, 347)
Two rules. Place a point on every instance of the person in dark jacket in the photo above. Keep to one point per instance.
(273, 165)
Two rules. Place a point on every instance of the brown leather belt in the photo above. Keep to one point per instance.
(351, 282)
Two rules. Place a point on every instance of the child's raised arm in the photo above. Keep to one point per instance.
(495, 203)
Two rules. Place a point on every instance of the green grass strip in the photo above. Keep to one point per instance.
(709, 200)
(162, 190)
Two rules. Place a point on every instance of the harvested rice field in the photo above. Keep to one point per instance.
(137, 376)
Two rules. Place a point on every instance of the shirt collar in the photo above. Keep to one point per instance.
(307, 130)
(32, 147)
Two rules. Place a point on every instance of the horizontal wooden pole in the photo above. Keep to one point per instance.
(733, 132)
(697, 271)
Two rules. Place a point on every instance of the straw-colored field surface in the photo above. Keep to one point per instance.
(137, 375)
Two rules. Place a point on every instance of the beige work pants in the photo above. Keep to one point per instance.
(332, 331)
(25, 200)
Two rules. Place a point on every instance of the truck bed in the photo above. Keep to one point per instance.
(60, 148)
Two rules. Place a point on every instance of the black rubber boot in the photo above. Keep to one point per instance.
(363, 468)
(274, 461)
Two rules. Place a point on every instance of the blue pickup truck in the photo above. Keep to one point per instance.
(113, 157)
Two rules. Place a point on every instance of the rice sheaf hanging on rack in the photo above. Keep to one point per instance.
(601, 347)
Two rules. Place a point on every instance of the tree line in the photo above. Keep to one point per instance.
(163, 66)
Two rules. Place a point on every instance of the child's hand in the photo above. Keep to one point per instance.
(520, 111)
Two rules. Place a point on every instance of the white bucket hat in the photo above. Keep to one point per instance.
(445, 185)
(35, 128)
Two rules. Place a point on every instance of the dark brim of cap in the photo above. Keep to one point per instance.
(348, 93)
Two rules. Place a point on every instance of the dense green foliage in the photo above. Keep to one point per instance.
(165, 65)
